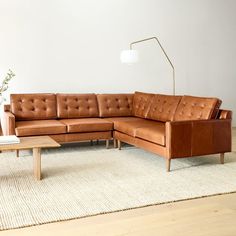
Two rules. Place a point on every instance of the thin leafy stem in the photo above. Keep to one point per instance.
(5, 82)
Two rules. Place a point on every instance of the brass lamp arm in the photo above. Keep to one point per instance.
(163, 50)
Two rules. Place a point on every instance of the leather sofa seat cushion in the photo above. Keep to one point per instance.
(154, 134)
(197, 108)
(33, 106)
(130, 127)
(163, 107)
(111, 105)
(76, 106)
(141, 104)
(87, 125)
(39, 127)
(126, 118)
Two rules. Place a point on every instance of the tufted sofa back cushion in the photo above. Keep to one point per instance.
(141, 104)
(77, 105)
(197, 108)
(111, 105)
(163, 107)
(33, 106)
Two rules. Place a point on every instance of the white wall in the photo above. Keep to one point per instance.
(74, 46)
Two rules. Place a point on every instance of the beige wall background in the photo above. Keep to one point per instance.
(74, 46)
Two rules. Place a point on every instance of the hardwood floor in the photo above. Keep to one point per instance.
(211, 216)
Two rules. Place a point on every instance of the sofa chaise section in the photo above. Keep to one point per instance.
(177, 126)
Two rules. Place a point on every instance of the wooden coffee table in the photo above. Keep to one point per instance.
(36, 143)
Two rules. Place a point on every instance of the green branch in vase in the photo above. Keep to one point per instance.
(6, 81)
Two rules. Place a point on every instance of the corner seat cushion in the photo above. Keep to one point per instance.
(130, 127)
(154, 134)
(87, 125)
(39, 127)
(197, 108)
(126, 118)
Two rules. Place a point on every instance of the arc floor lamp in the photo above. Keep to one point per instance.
(131, 56)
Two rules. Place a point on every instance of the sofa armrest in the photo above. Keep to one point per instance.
(198, 137)
(8, 123)
(225, 114)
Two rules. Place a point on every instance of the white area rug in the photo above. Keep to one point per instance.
(81, 181)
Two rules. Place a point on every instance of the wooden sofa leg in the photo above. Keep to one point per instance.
(97, 141)
(222, 158)
(107, 143)
(91, 142)
(114, 143)
(168, 161)
(17, 153)
(119, 144)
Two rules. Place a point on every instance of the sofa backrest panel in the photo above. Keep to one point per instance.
(197, 108)
(141, 104)
(216, 111)
(163, 107)
(33, 106)
(77, 105)
(111, 105)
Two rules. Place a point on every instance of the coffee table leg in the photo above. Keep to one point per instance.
(37, 163)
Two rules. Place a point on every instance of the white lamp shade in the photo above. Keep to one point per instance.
(129, 56)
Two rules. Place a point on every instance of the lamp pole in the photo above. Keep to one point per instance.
(163, 50)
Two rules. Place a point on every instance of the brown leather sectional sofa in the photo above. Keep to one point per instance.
(170, 126)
